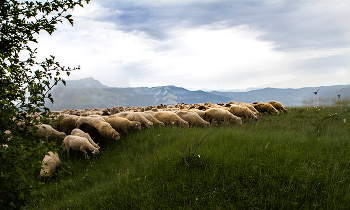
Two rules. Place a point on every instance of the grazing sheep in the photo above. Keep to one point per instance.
(88, 120)
(201, 113)
(154, 120)
(251, 107)
(124, 125)
(66, 123)
(78, 132)
(103, 127)
(278, 106)
(221, 115)
(93, 132)
(199, 107)
(192, 118)
(170, 118)
(47, 131)
(266, 108)
(242, 111)
(79, 143)
(50, 163)
(135, 116)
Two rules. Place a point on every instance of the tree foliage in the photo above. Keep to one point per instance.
(25, 83)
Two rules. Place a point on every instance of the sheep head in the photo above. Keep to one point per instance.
(95, 151)
(62, 135)
(115, 135)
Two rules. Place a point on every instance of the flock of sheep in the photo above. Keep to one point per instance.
(89, 128)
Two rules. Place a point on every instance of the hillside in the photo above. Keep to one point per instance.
(90, 93)
(297, 160)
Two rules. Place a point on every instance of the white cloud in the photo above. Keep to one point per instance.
(218, 55)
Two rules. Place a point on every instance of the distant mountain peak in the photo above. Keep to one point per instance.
(88, 82)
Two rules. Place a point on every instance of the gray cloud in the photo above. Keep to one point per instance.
(289, 24)
(208, 44)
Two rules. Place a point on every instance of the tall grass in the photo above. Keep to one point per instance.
(298, 160)
(326, 101)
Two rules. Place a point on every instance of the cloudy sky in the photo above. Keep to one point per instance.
(208, 45)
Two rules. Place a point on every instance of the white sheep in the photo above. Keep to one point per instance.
(47, 131)
(50, 163)
(78, 132)
(79, 143)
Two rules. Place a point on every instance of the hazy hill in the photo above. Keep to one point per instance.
(90, 93)
(82, 83)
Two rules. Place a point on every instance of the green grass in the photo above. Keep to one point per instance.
(298, 160)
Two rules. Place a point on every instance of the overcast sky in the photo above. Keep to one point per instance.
(208, 45)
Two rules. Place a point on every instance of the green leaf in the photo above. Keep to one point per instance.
(25, 82)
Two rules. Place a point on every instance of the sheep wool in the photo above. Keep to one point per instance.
(170, 118)
(78, 132)
(278, 106)
(124, 125)
(192, 118)
(152, 119)
(221, 116)
(266, 108)
(79, 143)
(67, 124)
(134, 116)
(251, 107)
(201, 113)
(242, 111)
(103, 127)
(50, 163)
(47, 131)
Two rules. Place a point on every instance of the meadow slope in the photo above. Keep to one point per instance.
(297, 160)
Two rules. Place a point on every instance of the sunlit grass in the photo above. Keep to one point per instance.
(296, 160)
(326, 101)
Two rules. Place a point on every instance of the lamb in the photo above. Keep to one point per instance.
(192, 118)
(278, 106)
(242, 111)
(221, 115)
(154, 120)
(78, 132)
(103, 127)
(134, 116)
(170, 118)
(266, 108)
(121, 124)
(50, 163)
(79, 143)
(47, 131)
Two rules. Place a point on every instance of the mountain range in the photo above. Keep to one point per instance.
(90, 93)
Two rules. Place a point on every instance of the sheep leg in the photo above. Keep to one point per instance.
(67, 148)
(125, 131)
(85, 153)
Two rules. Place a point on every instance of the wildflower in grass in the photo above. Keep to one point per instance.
(199, 156)
(344, 120)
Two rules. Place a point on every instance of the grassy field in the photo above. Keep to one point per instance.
(298, 160)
